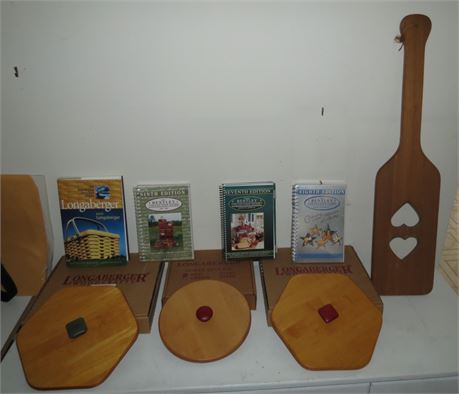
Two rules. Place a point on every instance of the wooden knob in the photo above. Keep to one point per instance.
(76, 328)
(328, 313)
(204, 313)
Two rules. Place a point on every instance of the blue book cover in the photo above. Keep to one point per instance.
(318, 222)
(93, 221)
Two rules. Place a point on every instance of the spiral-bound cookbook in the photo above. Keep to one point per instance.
(318, 222)
(163, 218)
(248, 217)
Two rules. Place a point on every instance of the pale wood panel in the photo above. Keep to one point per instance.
(52, 360)
(344, 343)
(194, 340)
(449, 261)
(24, 246)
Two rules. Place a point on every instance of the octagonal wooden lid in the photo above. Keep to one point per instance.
(327, 322)
(204, 321)
(76, 338)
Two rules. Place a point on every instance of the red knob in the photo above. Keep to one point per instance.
(328, 313)
(204, 313)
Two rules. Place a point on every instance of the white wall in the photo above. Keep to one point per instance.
(188, 91)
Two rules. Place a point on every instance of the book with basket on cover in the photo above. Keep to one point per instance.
(163, 218)
(248, 219)
(318, 222)
(93, 220)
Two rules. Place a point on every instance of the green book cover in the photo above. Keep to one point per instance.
(163, 218)
(248, 215)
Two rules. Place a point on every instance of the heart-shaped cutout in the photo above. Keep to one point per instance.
(405, 215)
(403, 247)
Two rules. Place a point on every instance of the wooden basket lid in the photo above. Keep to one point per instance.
(204, 321)
(76, 338)
(327, 322)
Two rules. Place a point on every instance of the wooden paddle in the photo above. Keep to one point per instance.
(408, 177)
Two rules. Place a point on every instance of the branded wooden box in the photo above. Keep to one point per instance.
(276, 273)
(209, 264)
(138, 281)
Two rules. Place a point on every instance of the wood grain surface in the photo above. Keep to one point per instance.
(194, 340)
(24, 246)
(51, 360)
(346, 342)
(408, 177)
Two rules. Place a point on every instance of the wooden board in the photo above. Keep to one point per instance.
(192, 339)
(408, 177)
(347, 342)
(276, 273)
(24, 246)
(52, 360)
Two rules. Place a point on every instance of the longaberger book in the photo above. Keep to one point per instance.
(248, 218)
(93, 220)
(163, 218)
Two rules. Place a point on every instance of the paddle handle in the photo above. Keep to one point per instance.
(415, 30)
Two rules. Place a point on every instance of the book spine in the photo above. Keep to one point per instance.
(126, 239)
(139, 222)
(295, 213)
(190, 223)
(223, 220)
(274, 222)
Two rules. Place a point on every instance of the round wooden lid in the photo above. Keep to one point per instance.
(204, 321)
(76, 338)
(327, 322)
